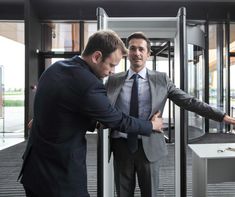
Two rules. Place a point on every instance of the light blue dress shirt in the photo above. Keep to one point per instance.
(123, 100)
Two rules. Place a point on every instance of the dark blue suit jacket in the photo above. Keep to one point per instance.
(68, 102)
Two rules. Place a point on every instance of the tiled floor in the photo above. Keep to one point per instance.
(11, 161)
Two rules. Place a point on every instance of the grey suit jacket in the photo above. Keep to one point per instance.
(161, 88)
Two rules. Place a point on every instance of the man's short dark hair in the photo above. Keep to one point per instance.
(105, 41)
(139, 35)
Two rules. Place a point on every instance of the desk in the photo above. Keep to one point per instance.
(211, 166)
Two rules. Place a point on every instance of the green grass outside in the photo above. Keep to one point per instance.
(13, 103)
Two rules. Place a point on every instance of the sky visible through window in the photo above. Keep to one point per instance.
(12, 62)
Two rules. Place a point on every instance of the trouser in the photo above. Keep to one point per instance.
(29, 193)
(127, 165)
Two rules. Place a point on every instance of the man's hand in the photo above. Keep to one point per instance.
(157, 122)
(229, 120)
(30, 124)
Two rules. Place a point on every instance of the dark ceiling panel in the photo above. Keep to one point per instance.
(86, 9)
(12, 10)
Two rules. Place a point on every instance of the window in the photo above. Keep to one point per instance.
(12, 75)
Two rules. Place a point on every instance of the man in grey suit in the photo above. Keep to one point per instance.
(153, 90)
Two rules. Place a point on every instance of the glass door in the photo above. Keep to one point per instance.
(196, 83)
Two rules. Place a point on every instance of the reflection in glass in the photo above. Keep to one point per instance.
(232, 68)
(232, 85)
(216, 73)
(67, 36)
(232, 37)
(195, 88)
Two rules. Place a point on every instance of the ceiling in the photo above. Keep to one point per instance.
(86, 9)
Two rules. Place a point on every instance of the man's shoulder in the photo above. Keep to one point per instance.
(155, 72)
(117, 75)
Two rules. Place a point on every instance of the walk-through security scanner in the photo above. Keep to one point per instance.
(173, 28)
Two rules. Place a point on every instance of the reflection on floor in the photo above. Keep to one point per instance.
(11, 126)
(10, 139)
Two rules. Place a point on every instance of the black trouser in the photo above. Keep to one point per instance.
(29, 193)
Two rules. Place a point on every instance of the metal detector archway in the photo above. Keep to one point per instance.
(154, 27)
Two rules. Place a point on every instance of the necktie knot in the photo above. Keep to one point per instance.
(135, 76)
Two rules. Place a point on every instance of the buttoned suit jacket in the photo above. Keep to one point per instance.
(68, 102)
(161, 88)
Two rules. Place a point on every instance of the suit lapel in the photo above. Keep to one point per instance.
(153, 90)
(116, 85)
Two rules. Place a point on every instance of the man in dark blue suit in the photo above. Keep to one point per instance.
(70, 99)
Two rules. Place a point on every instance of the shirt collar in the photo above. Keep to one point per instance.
(142, 73)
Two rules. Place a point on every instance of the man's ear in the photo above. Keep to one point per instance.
(97, 57)
(149, 53)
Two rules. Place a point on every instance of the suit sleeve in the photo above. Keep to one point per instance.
(96, 105)
(191, 103)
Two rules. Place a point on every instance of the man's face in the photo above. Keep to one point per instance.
(138, 53)
(106, 67)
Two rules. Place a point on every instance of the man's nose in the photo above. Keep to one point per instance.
(111, 72)
(137, 51)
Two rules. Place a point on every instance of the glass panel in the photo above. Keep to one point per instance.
(162, 65)
(232, 37)
(216, 73)
(89, 28)
(65, 37)
(232, 85)
(195, 88)
(232, 71)
(212, 65)
(12, 80)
